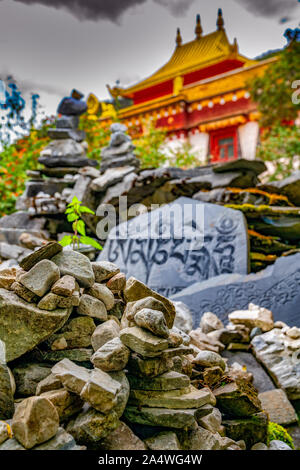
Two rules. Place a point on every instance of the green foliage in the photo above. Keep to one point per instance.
(273, 91)
(280, 145)
(277, 432)
(97, 136)
(15, 159)
(149, 146)
(73, 212)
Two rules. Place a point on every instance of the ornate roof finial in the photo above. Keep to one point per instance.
(198, 29)
(235, 47)
(220, 20)
(178, 38)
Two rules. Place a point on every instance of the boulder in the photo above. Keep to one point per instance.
(100, 391)
(237, 399)
(167, 418)
(210, 322)
(92, 307)
(122, 438)
(148, 367)
(279, 445)
(72, 377)
(35, 421)
(279, 408)
(209, 359)
(164, 382)
(23, 326)
(67, 404)
(253, 317)
(51, 382)
(104, 270)
(103, 293)
(27, 377)
(252, 430)
(143, 342)
(65, 286)
(184, 399)
(3, 432)
(90, 426)
(152, 320)
(104, 333)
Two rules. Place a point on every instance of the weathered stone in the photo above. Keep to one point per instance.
(40, 278)
(7, 277)
(175, 339)
(90, 426)
(35, 421)
(101, 292)
(122, 438)
(109, 177)
(72, 377)
(293, 333)
(65, 153)
(11, 444)
(61, 441)
(193, 398)
(44, 252)
(279, 445)
(163, 441)
(7, 386)
(117, 283)
(183, 319)
(104, 333)
(277, 405)
(212, 376)
(209, 359)
(123, 393)
(100, 391)
(229, 292)
(237, 399)
(27, 377)
(78, 355)
(273, 350)
(212, 422)
(112, 356)
(3, 432)
(252, 430)
(259, 446)
(24, 293)
(67, 404)
(204, 342)
(51, 382)
(65, 286)
(255, 332)
(167, 381)
(152, 320)
(49, 302)
(148, 367)
(104, 270)
(199, 439)
(77, 265)
(163, 417)
(225, 336)
(210, 322)
(143, 342)
(77, 333)
(92, 307)
(23, 326)
(253, 317)
(136, 290)
(173, 270)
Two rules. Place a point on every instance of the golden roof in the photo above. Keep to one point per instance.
(194, 55)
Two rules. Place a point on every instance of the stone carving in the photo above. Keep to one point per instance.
(182, 243)
(276, 288)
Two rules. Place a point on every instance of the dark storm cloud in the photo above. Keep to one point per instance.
(89, 9)
(107, 9)
(270, 8)
(176, 7)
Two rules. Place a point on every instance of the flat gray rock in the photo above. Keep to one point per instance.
(77, 265)
(276, 288)
(182, 243)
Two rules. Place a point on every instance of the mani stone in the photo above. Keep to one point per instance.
(92, 307)
(276, 288)
(23, 326)
(137, 290)
(77, 265)
(179, 244)
(40, 278)
(35, 421)
(45, 252)
(164, 382)
(279, 408)
(143, 342)
(112, 356)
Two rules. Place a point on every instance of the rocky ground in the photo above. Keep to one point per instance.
(92, 360)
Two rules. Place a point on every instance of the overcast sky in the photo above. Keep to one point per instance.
(52, 46)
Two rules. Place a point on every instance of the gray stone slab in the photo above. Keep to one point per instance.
(179, 244)
(276, 288)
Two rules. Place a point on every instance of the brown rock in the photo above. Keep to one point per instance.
(67, 404)
(45, 252)
(35, 421)
(104, 270)
(7, 277)
(24, 293)
(122, 438)
(117, 283)
(238, 399)
(65, 286)
(279, 408)
(104, 333)
(101, 292)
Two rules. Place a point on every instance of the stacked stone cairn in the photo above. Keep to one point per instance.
(90, 360)
(119, 152)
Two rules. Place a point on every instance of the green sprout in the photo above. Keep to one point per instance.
(74, 212)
